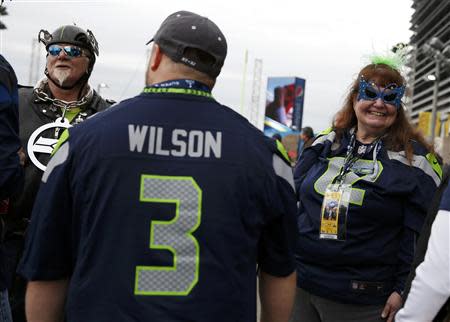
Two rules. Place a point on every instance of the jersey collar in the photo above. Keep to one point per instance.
(180, 86)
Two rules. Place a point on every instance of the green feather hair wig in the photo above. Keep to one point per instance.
(396, 58)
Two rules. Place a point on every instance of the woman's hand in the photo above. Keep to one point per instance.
(393, 304)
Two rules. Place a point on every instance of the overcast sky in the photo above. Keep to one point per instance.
(323, 41)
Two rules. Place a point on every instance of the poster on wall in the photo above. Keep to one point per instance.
(284, 101)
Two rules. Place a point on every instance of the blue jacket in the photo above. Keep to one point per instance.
(11, 174)
(385, 214)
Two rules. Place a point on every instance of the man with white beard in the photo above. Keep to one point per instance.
(61, 99)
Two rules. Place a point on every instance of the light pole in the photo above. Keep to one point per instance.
(441, 56)
(100, 86)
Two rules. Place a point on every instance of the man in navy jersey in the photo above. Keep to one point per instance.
(161, 208)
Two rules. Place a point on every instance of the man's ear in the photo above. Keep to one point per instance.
(155, 59)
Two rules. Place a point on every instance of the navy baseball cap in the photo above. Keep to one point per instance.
(184, 29)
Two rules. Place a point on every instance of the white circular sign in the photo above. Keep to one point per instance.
(39, 144)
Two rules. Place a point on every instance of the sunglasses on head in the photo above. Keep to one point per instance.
(71, 51)
(391, 94)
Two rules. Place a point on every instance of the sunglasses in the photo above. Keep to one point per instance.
(71, 51)
(391, 94)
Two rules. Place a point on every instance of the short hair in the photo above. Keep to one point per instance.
(308, 131)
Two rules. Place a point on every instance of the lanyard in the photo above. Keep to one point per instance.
(351, 157)
(180, 86)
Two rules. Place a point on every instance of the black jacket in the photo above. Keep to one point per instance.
(10, 170)
(33, 114)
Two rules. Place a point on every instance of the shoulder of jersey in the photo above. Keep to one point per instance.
(233, 114)
(434, 160)
(277, 148)
(240, 121)
(109, 109)
(326, 136)
(418, 148)
(423, 159)
(274, 146)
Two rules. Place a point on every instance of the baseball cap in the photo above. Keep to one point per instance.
(182, 30)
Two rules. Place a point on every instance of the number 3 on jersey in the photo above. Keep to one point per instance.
(174, 235)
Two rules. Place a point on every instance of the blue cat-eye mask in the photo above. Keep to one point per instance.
(391, 94)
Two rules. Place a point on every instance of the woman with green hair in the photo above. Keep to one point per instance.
(380, 175)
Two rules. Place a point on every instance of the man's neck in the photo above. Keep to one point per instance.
(68, 95)
(156, 78)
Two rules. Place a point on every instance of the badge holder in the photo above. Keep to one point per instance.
(333, 217)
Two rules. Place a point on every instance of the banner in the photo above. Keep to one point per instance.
(424, 124)
(284, 101)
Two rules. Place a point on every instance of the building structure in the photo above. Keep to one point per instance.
(430, 19)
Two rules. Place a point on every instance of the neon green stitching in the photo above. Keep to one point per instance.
(434, 164)
(64, 137)
(282, 150)
(187, 91)
(362, 191)
(327, 131)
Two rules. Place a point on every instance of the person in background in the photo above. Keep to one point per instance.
(305, 140)
(382, 175)
(61, 99)
(160, 209)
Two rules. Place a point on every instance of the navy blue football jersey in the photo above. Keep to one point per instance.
(159, 210)
(387, 208)
(10, 170)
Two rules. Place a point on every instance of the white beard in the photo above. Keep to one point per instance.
(61, 75)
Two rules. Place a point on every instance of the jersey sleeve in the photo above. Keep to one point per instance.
(426, 179)
(11, 173)
(276, 246)
(48, 253)
(427, 176)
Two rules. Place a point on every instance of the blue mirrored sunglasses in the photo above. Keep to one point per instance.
(71, 51)
(391, 94)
